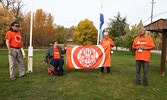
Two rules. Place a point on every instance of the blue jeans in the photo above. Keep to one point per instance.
(57, 63)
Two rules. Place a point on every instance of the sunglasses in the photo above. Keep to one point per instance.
(17, 26)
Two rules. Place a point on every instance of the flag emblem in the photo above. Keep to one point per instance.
(87, 57)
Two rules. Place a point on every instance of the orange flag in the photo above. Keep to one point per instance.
(86, 57)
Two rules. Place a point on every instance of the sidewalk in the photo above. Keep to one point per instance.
(124, 49)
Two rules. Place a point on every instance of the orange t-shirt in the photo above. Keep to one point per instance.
(15, 39)
(104, 42)
(56, 53)
(145, 41)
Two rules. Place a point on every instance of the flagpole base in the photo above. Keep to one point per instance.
(30, 64)
(30, 59)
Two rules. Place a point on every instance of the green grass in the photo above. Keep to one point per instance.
(83, 84)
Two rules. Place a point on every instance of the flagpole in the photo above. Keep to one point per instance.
(101, 3)
(30, 48)
(98, 33)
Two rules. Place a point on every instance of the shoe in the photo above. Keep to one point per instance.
(24, 76)
(137, 83)
(146, 86)
(108, 73)
(101, 72)
(13, 78)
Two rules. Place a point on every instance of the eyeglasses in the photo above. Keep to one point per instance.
(17, 25)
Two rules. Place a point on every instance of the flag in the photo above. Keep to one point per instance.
(86, 57)
(101, 23)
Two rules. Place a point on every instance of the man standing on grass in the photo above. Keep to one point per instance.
(14, 43)
(104, 42)
(142, 44)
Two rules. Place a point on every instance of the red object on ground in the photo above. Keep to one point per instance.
(51, 71)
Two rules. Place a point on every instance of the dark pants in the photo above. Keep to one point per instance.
(108, 69)
(145, 71)
(58, 65)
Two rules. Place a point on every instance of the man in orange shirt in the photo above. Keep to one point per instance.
(55, 58)
(104, 42)
(14, 43)
(142, 44)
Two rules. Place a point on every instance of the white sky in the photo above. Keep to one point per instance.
(71, 12)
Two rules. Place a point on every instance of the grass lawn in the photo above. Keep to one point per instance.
(83, 84)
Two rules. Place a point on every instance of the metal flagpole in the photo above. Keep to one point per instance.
(30, 48)
(99, 23)
(98, 34)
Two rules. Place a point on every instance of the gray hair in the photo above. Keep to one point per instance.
(142, 28)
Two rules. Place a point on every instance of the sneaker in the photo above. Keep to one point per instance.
(24, 76)
(13, 78)
(108, 73)
(146, 86)
(137, 83)
(101, 72)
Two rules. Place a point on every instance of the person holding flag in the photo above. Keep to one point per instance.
(104, 42)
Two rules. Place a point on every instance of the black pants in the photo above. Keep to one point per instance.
(58, 65)
(108, 69)
(145, 71)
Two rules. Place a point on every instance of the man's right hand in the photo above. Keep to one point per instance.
(10, 52)
(44, 62)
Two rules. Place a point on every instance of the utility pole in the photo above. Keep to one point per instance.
(152, 10)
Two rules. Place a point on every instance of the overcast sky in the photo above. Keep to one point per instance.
(71, 12)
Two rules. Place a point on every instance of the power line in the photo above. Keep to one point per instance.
(160, 14)
(156, 15)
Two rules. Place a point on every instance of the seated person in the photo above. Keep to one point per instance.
(54, 54)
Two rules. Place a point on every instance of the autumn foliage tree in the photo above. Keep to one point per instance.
(15, 7)
(70, 32)
(43, 28)
(60, 33)
(86, 33)
(5, 21)
(10, 10)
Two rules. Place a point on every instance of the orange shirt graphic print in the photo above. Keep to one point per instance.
(143, 42)
(17, 38)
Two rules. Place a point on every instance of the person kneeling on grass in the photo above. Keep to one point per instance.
(54, 54)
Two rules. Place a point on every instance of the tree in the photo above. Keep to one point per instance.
(131, 34)
(70, 32)
(60, 34)
(43, 28)
(10, 11)
(86, 33)
(25, 29)
(158, 41)
(5, 22)
(14, 6)
(116, 28)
